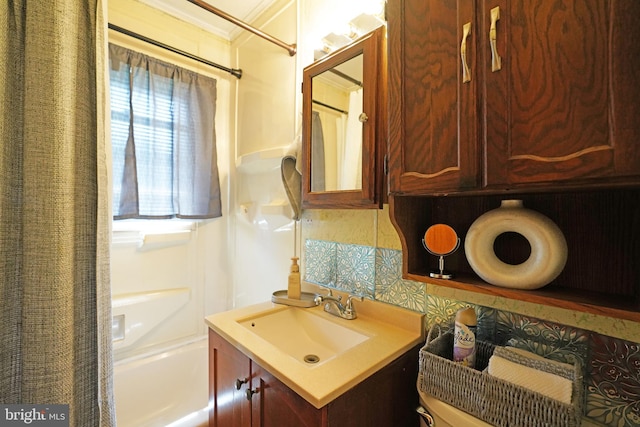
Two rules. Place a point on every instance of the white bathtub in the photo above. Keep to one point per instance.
(167, 388)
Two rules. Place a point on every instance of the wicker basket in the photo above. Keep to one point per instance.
(490, 399)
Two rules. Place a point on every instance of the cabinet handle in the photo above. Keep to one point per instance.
(496, 61)
(250, 393)
(466, 72)
(239, 383)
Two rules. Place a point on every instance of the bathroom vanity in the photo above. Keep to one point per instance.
(260, 373)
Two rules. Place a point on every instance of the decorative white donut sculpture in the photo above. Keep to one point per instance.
(548, 247)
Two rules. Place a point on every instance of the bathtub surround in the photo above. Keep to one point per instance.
(611, 381)
(55, 345)
(173, 381)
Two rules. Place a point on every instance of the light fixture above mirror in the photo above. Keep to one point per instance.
(347, 34)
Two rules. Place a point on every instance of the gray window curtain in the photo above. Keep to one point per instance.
(163, 139)
(55, 306)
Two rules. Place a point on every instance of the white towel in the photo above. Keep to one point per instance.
(550, 385)
(532, 360)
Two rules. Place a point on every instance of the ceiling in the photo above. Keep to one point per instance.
(244, 10)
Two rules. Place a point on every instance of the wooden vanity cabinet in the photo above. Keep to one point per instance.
(227, 365)
(387, 398)
(561, 107)
(276, 404)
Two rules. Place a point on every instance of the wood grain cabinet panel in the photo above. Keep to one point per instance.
(227, 365)
(560, 108)
(433, 137)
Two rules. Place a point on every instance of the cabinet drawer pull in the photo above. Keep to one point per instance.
(466, 71)
(239, 383)
(250, 393)
(496, 61)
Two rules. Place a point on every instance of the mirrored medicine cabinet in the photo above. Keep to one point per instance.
(344, 126)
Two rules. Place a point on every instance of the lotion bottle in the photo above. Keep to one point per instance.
(464, 338)
(293, 290)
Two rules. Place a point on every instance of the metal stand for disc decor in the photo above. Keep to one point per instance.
(441, 240)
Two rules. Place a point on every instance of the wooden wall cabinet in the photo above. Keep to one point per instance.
(559, 107)
(555, 121)
(243, 394)
(564, 107)
(433, 122)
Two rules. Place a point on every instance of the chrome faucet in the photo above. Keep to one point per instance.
(333, 305)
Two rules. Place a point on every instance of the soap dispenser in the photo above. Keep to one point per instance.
(293, 291)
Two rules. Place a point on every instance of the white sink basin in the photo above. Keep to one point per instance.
(308, 337)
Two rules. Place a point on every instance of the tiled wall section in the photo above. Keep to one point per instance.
(611, 365)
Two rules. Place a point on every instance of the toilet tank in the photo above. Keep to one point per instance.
(445, 415)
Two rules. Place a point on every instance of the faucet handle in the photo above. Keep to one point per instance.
(349, 307)
(329, 296)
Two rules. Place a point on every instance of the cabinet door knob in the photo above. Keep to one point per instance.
(496, 61)
(250, 393)
(239, 383)
(466, 71)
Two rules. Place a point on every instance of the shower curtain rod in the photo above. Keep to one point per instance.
(331, 107)
(291, 48)
(235, 71)
(345, 76)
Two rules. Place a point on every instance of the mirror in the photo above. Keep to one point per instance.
(441, 240)
(343, 126)
(336, 127)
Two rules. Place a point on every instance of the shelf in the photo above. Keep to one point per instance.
(602, 229)
(610, 306)
(276, 207)
(262, 161)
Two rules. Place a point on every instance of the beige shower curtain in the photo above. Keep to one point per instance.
(54, 212)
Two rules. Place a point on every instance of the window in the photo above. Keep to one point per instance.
(163, 139)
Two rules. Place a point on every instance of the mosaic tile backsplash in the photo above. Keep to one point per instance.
(611, 365)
